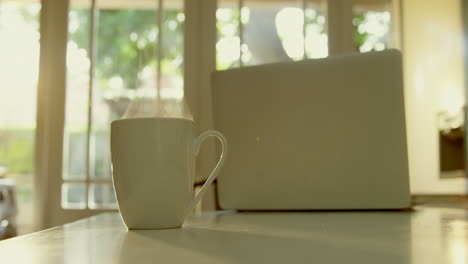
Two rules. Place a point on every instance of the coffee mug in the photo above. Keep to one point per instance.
(153, 168)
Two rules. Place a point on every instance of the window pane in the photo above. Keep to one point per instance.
(272, 31)
(125, 66)
(228, 41)
(74, 195)
(316, 36)
(172, 81)
(102, 196)
(76, 104)
(19, 65)
(373, 27)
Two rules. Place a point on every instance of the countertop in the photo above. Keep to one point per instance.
(423, 235)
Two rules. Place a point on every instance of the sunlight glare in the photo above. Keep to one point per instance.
(289, 25)
(451, 99)
(376, 25)
(458, 241)
(224, 14)
(181, 17)
(228, 49)
(19, 50)
(245, 15)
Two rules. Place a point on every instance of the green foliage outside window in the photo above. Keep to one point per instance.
(127, 42)
(17, 150)
(372, 31)
(228, 44)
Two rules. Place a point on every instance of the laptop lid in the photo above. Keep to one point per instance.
(316, 134)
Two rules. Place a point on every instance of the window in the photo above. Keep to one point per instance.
(117, 52)
(252, 32)
(19, 65)
(255, 32)
(228, 42)
(315, 31)
(372, 25)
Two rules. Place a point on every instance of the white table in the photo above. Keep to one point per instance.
(426, 235)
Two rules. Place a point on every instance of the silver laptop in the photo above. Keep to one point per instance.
(316, 134)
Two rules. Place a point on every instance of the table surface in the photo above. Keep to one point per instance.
(424, 235)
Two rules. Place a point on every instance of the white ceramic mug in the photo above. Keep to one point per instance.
(153, 165)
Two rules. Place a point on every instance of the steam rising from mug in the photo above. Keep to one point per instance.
(152, 106)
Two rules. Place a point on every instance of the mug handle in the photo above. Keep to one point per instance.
(196, 147)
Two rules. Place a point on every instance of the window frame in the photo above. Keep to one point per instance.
(90, 180)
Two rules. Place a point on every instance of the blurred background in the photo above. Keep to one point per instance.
(54, 141)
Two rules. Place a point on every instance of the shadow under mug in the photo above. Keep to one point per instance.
(153, 170)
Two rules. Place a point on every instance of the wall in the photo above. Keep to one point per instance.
(434, 81)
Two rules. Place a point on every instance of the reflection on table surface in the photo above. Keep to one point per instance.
(424, 235)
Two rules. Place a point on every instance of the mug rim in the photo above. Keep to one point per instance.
(153, 118)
